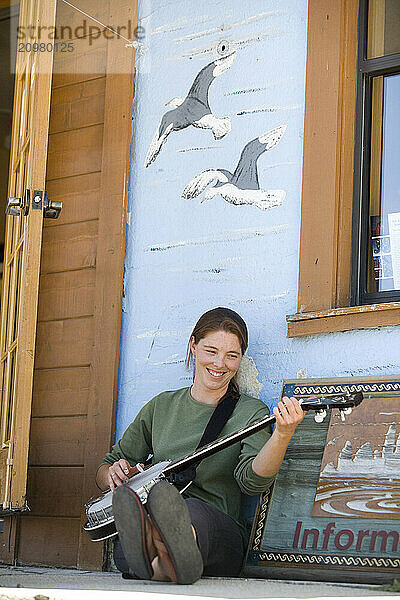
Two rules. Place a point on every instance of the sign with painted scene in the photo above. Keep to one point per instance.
(334, 512)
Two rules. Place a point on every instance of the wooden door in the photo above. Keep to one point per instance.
(23, 246)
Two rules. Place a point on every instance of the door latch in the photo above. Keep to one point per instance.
(19, 206)
(40, 201)
(51, 208)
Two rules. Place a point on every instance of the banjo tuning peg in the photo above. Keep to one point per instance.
(319, 416)
(344, 412)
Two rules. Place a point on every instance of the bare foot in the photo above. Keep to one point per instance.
(163, 569)
(159, 572)
(149, 540)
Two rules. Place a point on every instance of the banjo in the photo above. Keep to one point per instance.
(100, 524)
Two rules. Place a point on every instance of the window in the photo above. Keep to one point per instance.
(330, 255)
(376, 244)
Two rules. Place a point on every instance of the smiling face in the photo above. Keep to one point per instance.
(217, 359)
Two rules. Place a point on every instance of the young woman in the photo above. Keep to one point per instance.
(176, 537)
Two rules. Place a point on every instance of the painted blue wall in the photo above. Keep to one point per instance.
(183, 256)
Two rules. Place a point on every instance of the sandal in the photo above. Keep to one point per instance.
(173, 535)
(130, 521)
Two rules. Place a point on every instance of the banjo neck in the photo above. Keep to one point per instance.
(344, 402)
(219, 444)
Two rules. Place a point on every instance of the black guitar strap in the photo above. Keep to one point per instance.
(215, 425)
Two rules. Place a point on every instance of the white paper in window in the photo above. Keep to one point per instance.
(394, 231)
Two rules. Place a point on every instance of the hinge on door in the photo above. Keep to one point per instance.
(8, 511)
(9, 462)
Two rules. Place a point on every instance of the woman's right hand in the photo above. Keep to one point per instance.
(119, 473)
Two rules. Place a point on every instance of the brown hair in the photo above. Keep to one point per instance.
(219, 319)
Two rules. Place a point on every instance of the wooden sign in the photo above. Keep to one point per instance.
(334, 511)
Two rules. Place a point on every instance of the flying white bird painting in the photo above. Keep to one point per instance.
(242, 186)
(194, 109)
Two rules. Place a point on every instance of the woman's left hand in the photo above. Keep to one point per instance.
(288, 415)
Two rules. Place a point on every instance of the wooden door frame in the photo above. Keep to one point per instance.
(9, 530)
(108, 291)
(29, 236)
(109, 265)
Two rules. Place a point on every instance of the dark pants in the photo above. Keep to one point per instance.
(219, 539)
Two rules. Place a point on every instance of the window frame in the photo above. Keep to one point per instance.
(367, 70)
(324, 299)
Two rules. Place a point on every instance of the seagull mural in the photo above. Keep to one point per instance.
(194, 109)
(242, 186)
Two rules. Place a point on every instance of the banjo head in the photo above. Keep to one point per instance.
(100, 525)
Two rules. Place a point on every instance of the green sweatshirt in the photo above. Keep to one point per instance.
(171, 425)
